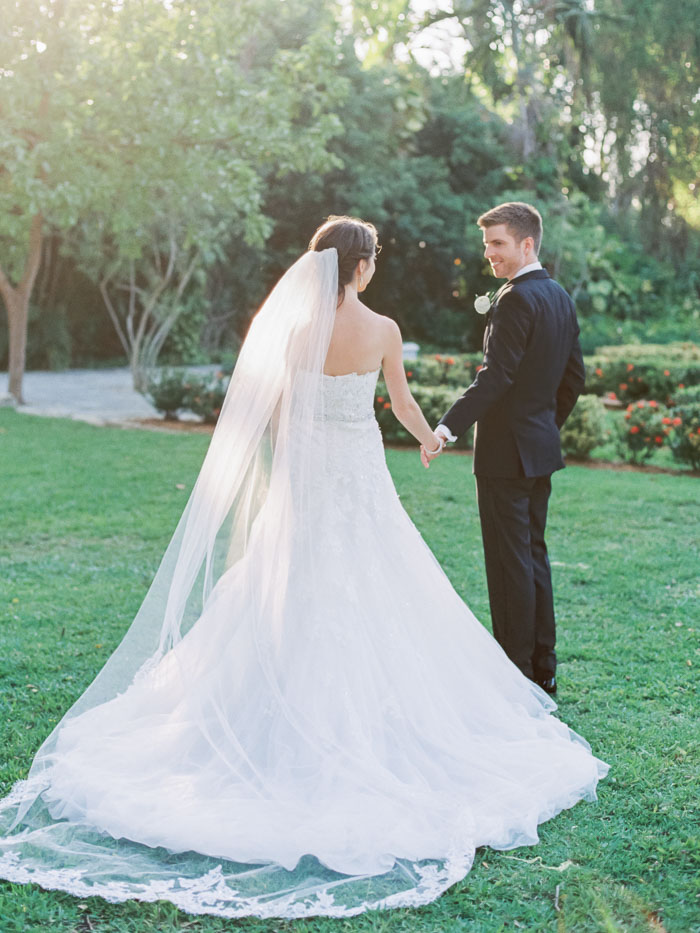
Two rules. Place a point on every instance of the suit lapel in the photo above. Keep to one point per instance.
(535, 274)
(489, 315)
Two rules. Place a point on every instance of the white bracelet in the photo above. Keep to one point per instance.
(437, 449)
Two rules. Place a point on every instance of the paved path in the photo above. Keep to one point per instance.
(100, 396)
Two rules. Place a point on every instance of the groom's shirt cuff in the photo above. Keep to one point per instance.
(442, 431)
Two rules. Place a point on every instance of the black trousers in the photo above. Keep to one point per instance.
(513, 516)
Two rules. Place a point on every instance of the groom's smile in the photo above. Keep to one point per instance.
(505, 254)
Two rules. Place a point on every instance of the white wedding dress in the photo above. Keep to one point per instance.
(350, 756)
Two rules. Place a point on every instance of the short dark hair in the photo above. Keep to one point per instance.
(354, 239)
(521, 219)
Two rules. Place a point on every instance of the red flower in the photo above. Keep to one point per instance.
(380, 398)
(450, 361)
(658, 439)
(681, 385)
(623, 387)
(438, 358)
(599, 372)
(653, 404)
(628, 416)
(640, 404)
(676, 422)
(409, 374)
(667, 372)
(479, 367)
(634, 429)
(630, 367)
(666, 421)
(387, 404)
(630, 407)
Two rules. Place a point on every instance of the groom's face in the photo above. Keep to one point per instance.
(505, 254)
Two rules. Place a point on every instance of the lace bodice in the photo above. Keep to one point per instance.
(349, 397)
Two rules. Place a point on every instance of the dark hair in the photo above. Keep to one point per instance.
(521, 219)
(352, 238)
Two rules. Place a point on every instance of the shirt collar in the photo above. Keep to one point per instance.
(529, 268)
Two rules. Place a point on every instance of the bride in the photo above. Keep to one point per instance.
(304, 718)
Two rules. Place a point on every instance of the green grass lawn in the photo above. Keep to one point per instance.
(86, 513)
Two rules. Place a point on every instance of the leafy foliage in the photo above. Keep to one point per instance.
(585, 428)
(187, 157)
(684, 439)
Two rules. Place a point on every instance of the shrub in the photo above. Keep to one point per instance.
(585, 428)
(632, 381)
(683, 353)
(206, 396)
(456, 370)
(687, 396)
(684, 439)
(643, 430)
(168, 390)
(643, 372)
(434, 402)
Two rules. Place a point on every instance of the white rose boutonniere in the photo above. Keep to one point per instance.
(482, 303)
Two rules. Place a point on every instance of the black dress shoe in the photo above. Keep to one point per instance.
(548, 684)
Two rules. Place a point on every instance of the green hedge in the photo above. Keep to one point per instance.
(645, 371)
(684, 439)
(648, 378)
(585, 428)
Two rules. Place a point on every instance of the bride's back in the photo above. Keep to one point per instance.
(357, 342)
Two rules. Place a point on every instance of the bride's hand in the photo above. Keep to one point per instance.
(427, 455)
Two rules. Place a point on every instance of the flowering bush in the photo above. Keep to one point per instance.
(206, 396)
(684, 439)
(643, 430)
(632, 381)
(456, 370)
(643, 372)
(168, 391)
(585, 428)
(176, 390)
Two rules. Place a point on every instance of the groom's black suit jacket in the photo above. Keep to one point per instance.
(532, 374)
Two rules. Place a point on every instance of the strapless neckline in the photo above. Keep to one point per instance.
(369, 372)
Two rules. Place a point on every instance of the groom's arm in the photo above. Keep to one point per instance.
(572, 382)
(504, 351)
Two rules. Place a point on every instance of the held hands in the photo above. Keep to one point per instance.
(427, 455)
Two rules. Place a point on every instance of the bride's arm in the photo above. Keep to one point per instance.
(403, 404)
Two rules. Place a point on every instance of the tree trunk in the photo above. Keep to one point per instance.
(17, 305)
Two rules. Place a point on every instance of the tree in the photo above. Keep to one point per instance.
(173, 118)
(42, 176)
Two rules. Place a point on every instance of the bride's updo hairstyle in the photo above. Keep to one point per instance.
(352, 238)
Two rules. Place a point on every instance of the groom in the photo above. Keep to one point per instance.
(531, 377)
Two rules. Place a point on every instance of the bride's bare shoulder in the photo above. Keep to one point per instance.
(388, 331)
(384, 324)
